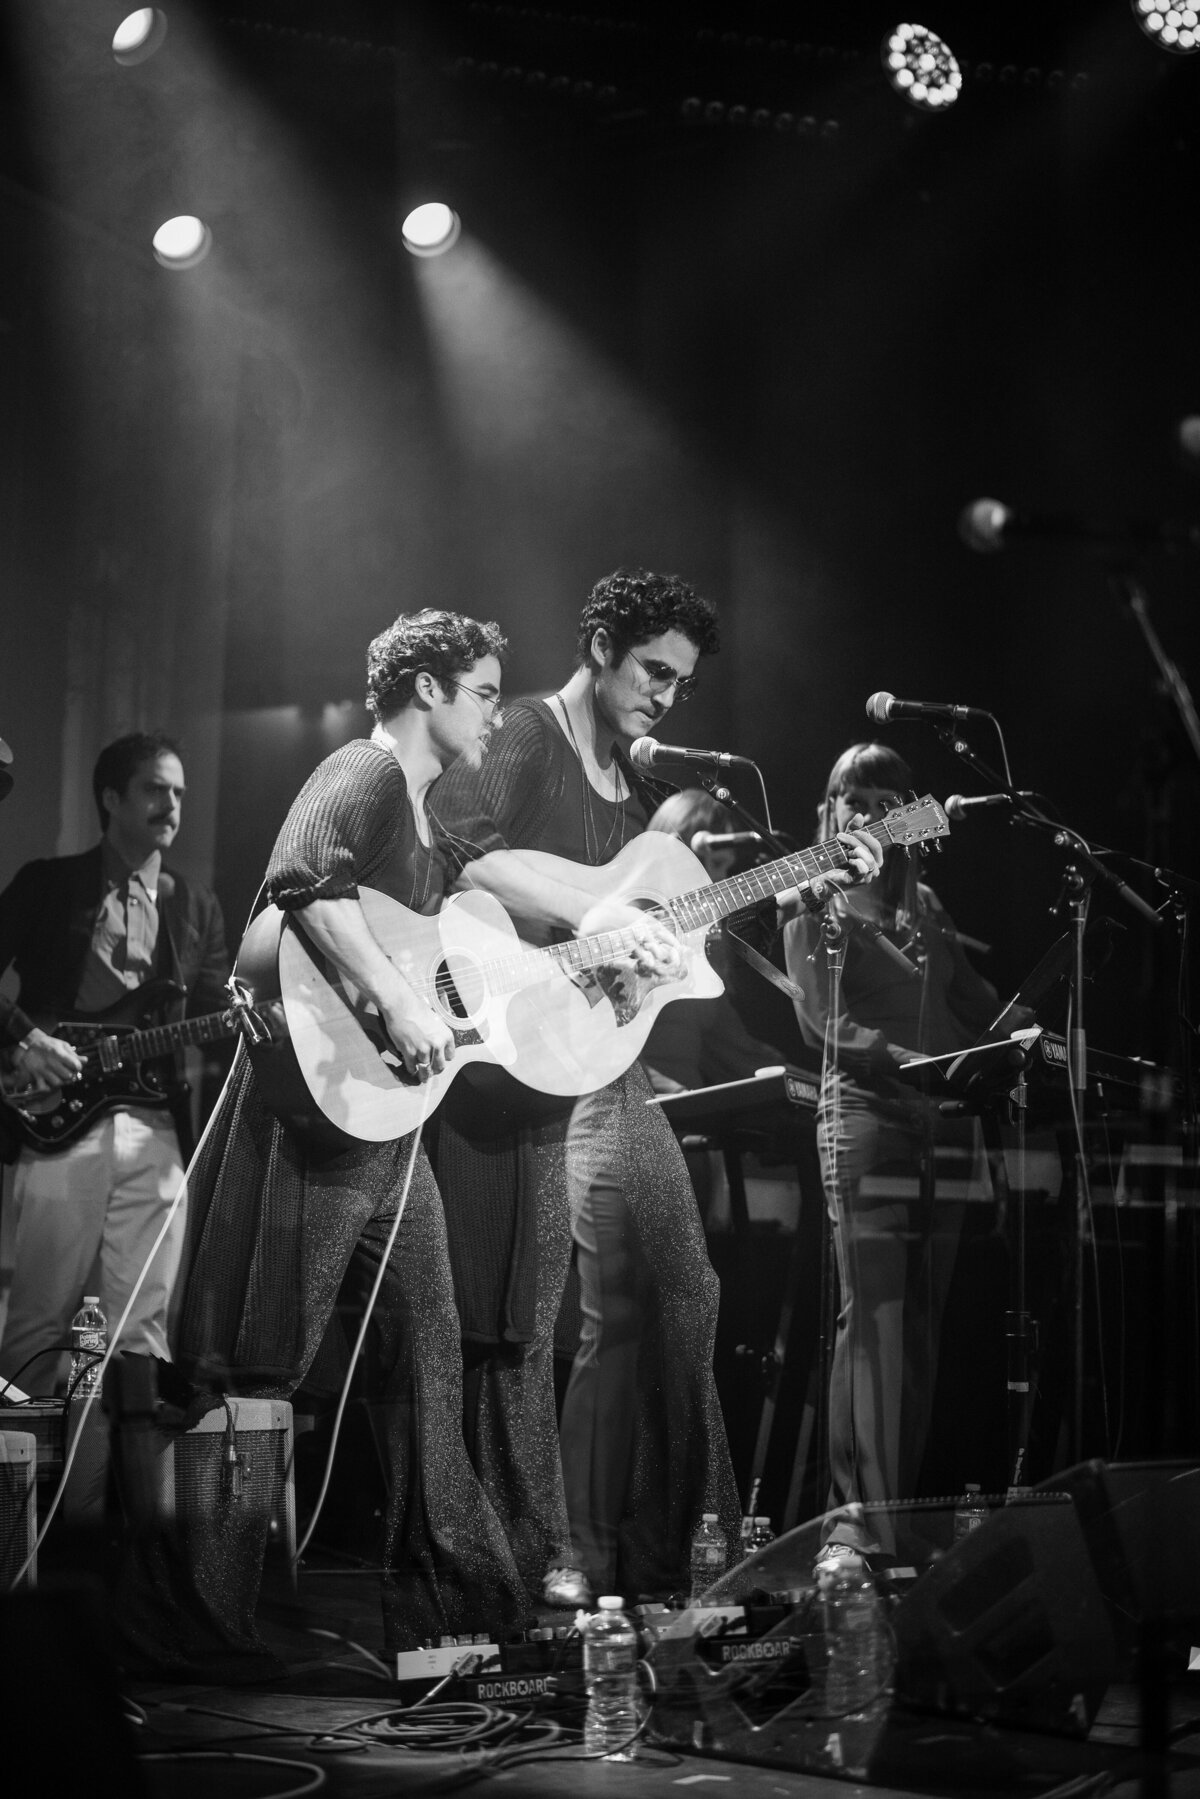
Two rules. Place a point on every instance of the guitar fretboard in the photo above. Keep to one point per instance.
(702, 907)
(112, 1049)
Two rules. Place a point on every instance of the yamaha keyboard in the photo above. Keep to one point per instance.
(760, 1103)
(1124, 1086)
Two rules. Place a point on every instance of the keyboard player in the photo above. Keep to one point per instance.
(887, 1152)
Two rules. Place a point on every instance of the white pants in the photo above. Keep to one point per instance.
(84, 1222)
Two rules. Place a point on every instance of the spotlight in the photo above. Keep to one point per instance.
(921, 67)
(431, 229)
(182, 242)
(1176, 28)
(139, 35)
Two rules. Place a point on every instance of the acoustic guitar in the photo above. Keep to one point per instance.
(564, 1019)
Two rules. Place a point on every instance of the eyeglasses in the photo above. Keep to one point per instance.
(489, 703)
(662, 676)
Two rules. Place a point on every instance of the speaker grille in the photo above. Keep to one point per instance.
(18, 1506)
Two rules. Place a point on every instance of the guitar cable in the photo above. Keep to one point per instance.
(384, 1260)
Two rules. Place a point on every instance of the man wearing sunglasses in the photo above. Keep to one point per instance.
(643, 1447)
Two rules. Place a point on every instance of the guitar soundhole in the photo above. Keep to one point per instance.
(460, 991)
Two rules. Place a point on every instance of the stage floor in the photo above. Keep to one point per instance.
(331, 1686)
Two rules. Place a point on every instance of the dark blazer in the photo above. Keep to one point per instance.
(47, 912)
(46, 916)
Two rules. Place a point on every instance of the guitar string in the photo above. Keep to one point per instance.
(603, 946)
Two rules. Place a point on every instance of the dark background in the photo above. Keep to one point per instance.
(723, 304)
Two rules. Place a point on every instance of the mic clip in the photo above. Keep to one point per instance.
(245, 1014)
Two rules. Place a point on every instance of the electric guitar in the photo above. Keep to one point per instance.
(564, 1019)
(123, 1064)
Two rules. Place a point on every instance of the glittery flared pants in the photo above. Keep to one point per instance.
(896, 1223)
(643, 1441)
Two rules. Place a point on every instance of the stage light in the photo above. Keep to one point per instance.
(1176, 28)
(921, 67)
(182, 242)
(431, 229)
(139, 35)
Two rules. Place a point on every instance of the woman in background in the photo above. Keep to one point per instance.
(887, 1152)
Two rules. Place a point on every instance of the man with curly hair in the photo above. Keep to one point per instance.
(643, 1447)
(280, 1220)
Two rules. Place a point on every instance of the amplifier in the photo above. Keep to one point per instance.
(239, 1461)
(44, 1420)
(18, 1507)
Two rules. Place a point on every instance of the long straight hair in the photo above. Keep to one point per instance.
(876, 765)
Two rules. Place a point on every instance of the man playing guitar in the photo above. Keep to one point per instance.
(643, 1448)
(84, 933)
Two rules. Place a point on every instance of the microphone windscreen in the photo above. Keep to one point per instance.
(879, 707)
(1188, 438)
(981, 525)
(642, 752)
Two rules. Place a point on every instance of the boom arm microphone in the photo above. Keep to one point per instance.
(989, 525)
(961, 805)
(722, 840)
(882, 707)
(647, 753)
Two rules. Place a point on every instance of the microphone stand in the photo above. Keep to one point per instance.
(775, 845)
(1152, 1626)
(1132, 595)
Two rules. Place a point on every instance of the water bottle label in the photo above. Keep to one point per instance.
(610, 1658)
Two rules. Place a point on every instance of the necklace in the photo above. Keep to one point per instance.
(422, 851)
(595, 851)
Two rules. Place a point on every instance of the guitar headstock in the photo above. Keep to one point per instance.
(917, 822)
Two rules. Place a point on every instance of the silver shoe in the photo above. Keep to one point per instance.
(567, 1589)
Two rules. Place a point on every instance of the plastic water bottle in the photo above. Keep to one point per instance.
(861, 1650)
(89, 1339)
(761, 1535)
(709, 1554)
(970, 1512)
(610, 1653)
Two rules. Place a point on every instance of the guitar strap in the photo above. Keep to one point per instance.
(167, 965)
(758, 962)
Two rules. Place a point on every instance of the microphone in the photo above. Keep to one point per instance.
(882, 707)
(989, 525)
(647, 753)
(721, 840)
(961, 805)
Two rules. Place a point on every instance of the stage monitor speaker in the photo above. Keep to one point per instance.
(1141, 1522)
(18, 1508)
(1003, 1647)
(1012, 1625)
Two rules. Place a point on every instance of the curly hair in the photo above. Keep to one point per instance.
(444, 644)
(633, 606)
(119, 761)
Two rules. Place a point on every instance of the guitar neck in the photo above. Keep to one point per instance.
(737, 893)
(907, 825)
(161, 1039)
(705, 906)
